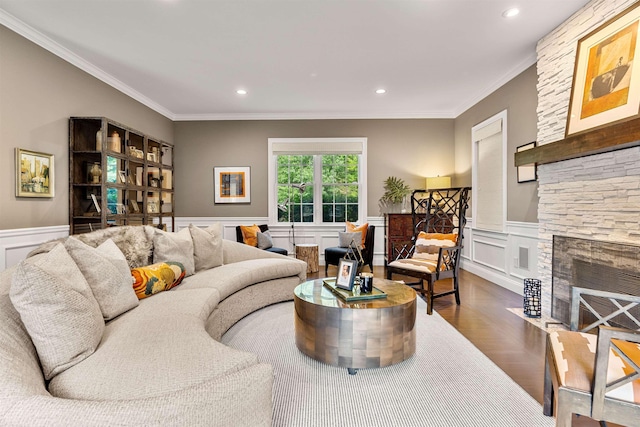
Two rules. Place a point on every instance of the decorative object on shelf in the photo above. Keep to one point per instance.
(527, 173)
(114, 142)
(532, 297)
(232, 184)
(395, 191)
(94, 173)
(99, 140)
(34, 174)
(604, 89)
(347, 270)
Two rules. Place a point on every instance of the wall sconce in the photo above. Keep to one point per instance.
(438, 182)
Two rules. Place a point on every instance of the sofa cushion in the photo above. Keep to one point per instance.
(428, 244)
(58, 309)
(352, 228)
(158, 348)
(175, 247)
(345, 239)
(135, 241)
(264, 240)
(207, 246)
(107, 272)
(250, 234)
(156, 278)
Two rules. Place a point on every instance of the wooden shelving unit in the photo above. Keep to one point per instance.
(117, 176)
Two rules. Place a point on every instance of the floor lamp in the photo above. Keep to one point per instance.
(286, 207)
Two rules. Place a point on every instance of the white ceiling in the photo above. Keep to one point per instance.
(296, 58)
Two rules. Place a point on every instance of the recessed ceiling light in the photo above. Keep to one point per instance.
(241, 92)
(380, 91)
(510, 13)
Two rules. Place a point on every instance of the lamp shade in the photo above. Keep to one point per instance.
(437, 182)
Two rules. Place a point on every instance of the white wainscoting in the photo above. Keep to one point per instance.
(324, 236)
(17, 243)
(505, 258)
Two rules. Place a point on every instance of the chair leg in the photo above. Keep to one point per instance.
(389, 274)
(429, 296)
(563, 415)
(456, 288)
(326, 268)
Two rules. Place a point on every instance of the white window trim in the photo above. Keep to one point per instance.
(362, 178)
(475, 131)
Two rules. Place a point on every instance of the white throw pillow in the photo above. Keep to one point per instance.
(58, 309)
(177, 247)
(345, 238)
(207, 246)
(264, 240)
(107, 272)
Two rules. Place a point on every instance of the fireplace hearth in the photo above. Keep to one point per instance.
(593, 264)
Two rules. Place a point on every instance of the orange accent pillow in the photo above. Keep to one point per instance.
(352, 228)
(250, 234)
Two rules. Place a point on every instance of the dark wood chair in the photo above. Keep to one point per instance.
(597, 376)
(263, 228)
(332, 255)
(433, 211)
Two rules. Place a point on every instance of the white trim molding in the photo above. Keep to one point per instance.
(15, 244)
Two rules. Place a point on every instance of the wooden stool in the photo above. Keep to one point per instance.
(308, 252)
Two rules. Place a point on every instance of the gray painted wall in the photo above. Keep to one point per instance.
(520, 98)
(409, 149)
(38, 94)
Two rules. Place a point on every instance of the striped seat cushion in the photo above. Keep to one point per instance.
(425, 256)
(574, 353)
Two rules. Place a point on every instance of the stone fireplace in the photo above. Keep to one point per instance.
(596, 197)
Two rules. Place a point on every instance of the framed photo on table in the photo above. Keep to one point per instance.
(347, 270)
(606, 77)
(34, 174)
(232, 184)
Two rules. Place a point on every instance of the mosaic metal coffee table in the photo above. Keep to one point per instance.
(363, 334)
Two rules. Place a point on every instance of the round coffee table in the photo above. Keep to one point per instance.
(362, 334)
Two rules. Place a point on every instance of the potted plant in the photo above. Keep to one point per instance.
(395, 192)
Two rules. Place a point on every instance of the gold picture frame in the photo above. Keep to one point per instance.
(605, 87)
(34, 174)
(232, 184)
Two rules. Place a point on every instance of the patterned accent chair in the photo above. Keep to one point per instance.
(333, 255)
(439, 218)
(595, 375)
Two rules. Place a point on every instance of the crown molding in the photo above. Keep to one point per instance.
(46, 43)
(315, 116)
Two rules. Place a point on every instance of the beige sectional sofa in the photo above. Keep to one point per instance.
(74, 354)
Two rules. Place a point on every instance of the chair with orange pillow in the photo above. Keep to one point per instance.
(332, 255)
(439, 218)
(249, 236)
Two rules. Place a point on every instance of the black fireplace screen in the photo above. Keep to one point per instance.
(593, 264)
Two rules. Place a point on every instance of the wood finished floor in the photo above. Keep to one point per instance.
(512, 343)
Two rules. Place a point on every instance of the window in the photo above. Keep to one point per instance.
(317, 180)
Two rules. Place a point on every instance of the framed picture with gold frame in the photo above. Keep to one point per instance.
(34, 174)
(606, 87)
(232, 184)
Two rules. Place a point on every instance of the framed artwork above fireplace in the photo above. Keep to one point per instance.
(606, 87)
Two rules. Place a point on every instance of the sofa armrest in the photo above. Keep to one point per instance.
(242, 398)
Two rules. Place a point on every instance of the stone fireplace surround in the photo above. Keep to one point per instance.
(595, 197)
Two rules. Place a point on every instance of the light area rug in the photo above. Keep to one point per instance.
(447, 382)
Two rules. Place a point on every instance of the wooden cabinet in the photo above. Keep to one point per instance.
(117, 176)
(398, 231)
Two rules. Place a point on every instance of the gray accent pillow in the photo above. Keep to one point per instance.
(58, 310)
(264, 240)
(207, 246)
(177, 247)
(107, 272)
(346, 238)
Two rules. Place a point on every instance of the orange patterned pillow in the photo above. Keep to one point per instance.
(250, 234)
(156, 278)
(352, 228)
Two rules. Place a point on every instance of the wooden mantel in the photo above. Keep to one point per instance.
(616, 136)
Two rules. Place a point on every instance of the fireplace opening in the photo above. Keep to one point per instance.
(593, 264)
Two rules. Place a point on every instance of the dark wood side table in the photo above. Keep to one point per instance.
(398, 231)
(363, 334)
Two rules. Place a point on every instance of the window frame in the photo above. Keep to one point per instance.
(318, 146)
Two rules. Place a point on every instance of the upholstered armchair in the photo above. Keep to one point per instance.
(439, 218)
(597, 376)
(332, 255)
(252, 237)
